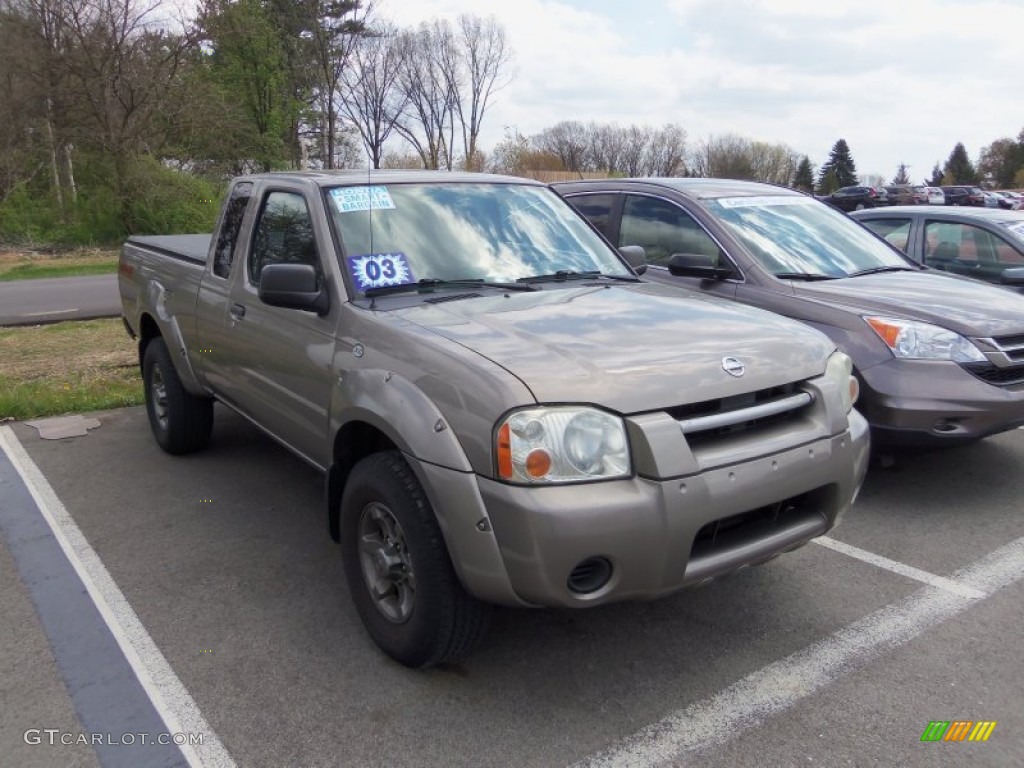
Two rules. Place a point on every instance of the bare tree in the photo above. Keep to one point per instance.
(485, 57)
(635, 141)
(773, 163)
(666, 151)
(726, 156)
(124, 65)
(374, 100)
(607, 145)
(428, 83)
(334, 27)
(567, 140)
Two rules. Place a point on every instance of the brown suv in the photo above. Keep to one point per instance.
(940, 358)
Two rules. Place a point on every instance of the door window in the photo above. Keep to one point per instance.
(895, 231)
(230, 226)
(597, 209)
(663, 229)
(283, 235)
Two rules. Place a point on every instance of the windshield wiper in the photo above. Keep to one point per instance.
(568, 274)
(876, 270)
(429, 284)
(803, 276)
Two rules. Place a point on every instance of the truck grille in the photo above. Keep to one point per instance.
(729, 416)
(991, 374)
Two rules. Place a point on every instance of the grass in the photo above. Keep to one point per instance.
(67, 367)
(28, 265)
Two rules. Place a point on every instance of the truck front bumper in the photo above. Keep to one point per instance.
(640, 538)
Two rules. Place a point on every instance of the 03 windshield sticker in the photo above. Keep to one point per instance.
(378, 270)
(762, 200)
(350, 199)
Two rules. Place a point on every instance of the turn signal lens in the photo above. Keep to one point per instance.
(505, 470)
(538, 463)
(889, 333)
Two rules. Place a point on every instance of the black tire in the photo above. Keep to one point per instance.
(181, 422)
(440, 622)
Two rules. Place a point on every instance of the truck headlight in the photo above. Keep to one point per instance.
(914, 340)
(562, 444)
(840, 371)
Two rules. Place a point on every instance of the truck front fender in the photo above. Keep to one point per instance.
(400, 410)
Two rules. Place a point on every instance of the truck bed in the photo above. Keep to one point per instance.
(188, 247)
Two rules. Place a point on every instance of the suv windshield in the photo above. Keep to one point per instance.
(462, 231)
(792, 235)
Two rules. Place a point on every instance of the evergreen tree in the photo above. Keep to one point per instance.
(901, 177)
(839, 170)
(958, 168)
(936, 179)
(804, 177)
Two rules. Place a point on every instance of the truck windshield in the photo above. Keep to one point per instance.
(791, 235)
(395, 234)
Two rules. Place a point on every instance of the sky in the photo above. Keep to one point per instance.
(901, 80)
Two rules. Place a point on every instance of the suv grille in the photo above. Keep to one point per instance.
(1000, 377)
(1011, 346)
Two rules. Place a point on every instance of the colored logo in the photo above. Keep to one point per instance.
(958, 730)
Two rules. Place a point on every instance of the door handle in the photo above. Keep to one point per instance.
(237, 310)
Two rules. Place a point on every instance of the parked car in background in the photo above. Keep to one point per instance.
(983, 244)
(940, 359)
(856, 198)
(936, 196)
(1016, 200)
(906, 194)
(964, 195)
(1001, 200)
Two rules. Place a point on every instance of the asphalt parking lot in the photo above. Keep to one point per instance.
(832, 655)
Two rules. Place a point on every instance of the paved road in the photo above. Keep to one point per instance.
(821, 657)
(52, 299)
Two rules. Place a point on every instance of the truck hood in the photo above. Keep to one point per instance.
(970, 308)
(627, 347)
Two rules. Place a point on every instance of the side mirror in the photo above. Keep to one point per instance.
(696, 265)
(635, 257)
(293, 286)
(1012, 276)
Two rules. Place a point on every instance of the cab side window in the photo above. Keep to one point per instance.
(664, 229)
(283, 235)
(231, 225)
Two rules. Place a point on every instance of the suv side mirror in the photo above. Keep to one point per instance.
(635, 257)
(293, 286)
(697, 265)
(1012, 276)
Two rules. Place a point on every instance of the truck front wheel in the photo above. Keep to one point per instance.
(181, 422)
(398, 569)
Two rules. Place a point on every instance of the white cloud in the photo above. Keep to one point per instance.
(900, 81)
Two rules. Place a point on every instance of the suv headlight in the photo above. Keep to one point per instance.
(561, 444)
(913, 340)
(840, 371)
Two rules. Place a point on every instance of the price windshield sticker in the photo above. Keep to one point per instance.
(377, 270)
(349, 199)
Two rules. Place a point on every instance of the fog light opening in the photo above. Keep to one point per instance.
(590, 575)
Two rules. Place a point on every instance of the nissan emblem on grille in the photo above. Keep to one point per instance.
(733, 367)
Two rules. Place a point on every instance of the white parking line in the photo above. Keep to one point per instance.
(901, 568)
(778, 686)
(50, 312)
(170, 699)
